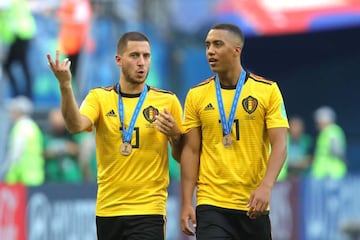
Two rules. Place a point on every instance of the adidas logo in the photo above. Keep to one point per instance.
(209, 107)
(111, 113)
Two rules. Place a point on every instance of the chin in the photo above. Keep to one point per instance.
(139, 81)
(215, 68)
(212, 68)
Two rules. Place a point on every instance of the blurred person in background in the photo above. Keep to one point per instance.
(300, 147)
(61, 151)
(75, 17)
(330, 148)
(234, 145)
(87, 157)
(134, 124)
(173, 203)
(18, 28)
(24, 162)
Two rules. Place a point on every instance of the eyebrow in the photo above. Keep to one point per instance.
(140, 53)
(215, 41)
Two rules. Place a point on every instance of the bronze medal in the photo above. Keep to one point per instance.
(125, 148)
(227, 141)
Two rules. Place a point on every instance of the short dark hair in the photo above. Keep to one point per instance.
(130, 36)
(230, 28)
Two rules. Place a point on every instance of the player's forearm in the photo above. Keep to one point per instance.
(187, 190)
(276, 161)
(69, 109)
(176, 146)
(189, 176)
(189, 162)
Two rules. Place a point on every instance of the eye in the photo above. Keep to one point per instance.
(134, 55)
(217, 44)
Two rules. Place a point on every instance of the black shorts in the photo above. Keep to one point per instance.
(139, 227)
(229, 224)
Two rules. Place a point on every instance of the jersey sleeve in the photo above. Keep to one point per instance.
(191, 116)
(276, 113)
(177, 112)
(90, 107)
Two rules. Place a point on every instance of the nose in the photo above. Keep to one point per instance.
(141, 61)
(210, 51)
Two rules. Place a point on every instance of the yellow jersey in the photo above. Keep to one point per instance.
(228, 175)
(135, 184)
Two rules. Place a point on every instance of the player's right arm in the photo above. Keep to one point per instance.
(75, 122)
(190, 159)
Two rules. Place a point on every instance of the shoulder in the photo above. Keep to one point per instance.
(204, 82)
(160, 90)
(108, 88)
(260, 79)
(103, 89)
(159, 94)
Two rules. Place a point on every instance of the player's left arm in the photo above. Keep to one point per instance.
(276, 120)
(278, 154)
(260, 199)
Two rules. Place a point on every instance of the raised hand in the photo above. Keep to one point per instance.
(61, 70)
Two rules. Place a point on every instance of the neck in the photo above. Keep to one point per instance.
(230, 78)
(131, 88)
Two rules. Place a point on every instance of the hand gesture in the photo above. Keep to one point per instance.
(166, 124)
(61, 70)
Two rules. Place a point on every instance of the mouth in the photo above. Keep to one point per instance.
(212, 61)
(141, 73)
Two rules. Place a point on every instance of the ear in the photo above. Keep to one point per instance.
(237, 50)
(118, 60)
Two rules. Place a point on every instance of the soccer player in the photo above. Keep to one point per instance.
(234, 145)
(133, 123)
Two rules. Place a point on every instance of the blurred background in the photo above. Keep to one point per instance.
(310, 48)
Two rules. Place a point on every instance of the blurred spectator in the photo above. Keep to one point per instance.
(300, 146)
(61, 151)
(75, 18)
(173, 202)
(330, 148)
(24, 162)
(17, 29)
(87, 157)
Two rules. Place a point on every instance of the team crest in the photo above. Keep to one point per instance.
(150, 113)
(250, 104)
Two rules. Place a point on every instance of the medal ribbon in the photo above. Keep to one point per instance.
(127, 134)
(226, 125)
